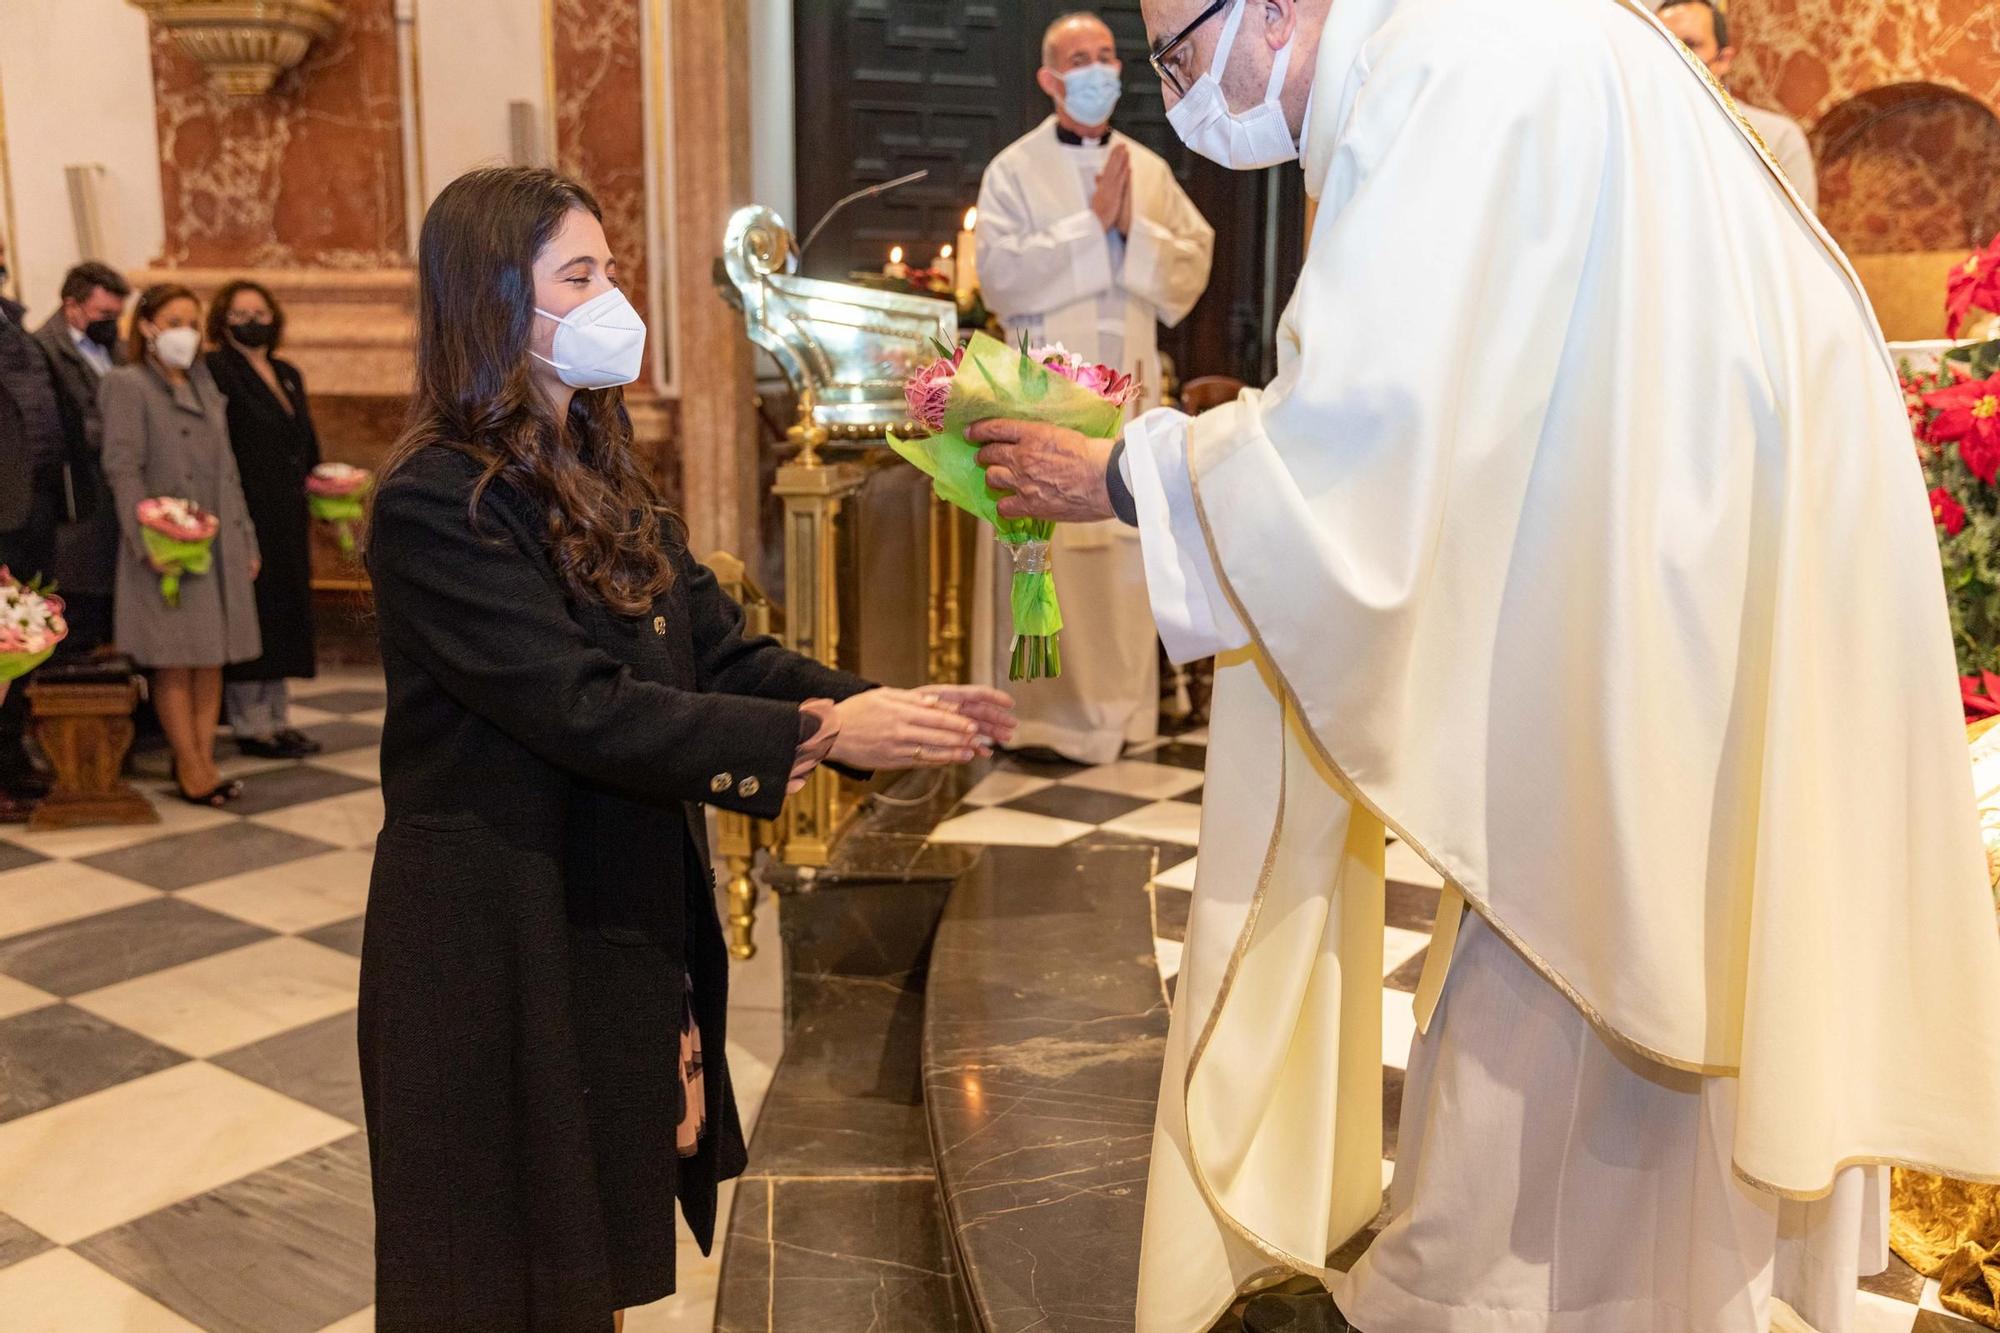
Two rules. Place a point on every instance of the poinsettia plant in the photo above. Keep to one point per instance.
(1955, 416)
(1973, 291)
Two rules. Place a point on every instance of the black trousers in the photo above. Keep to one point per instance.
(27, 552)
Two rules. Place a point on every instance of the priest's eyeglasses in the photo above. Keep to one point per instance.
(1161, 54)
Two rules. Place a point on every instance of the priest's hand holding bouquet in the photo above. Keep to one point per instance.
(969, 391)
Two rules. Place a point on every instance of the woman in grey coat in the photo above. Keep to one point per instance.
(166, 433)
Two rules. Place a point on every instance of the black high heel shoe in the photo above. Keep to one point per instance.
(218, 796)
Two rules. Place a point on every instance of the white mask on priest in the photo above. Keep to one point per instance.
(1240, 140)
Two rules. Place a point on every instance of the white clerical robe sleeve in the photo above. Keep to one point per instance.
(1167, 256)
(1189, 606)
(1025, 269)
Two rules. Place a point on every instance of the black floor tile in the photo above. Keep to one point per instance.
(1077, 803)
(18, 1242)
(316, 1064)
(1177, 755)
(186, 859)
(344, 735)
(346, 701)
(342, 935)
(14, 858)
(284, 787)
(1412, 906)
(101, 950)
(288, 1250)
(1406, 977)
(57, 1053)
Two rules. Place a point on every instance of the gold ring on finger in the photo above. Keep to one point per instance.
(919, 756)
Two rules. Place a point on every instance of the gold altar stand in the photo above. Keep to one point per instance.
(875, 567)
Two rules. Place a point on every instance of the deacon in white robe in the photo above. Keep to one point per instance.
(1616, 598)
(1086, 239)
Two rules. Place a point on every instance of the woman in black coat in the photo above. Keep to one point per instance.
(544, 978)
(271, 433)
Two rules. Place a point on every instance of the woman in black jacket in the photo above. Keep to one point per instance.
(544, 978)
(271, 432)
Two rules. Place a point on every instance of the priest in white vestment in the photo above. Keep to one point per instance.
(1614, 596)
(1086, 239)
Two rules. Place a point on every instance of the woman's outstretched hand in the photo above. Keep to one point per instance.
(933, 727)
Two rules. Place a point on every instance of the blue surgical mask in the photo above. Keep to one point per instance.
(1091, 94)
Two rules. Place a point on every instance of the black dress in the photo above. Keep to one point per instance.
(275, 451)
(542, 911)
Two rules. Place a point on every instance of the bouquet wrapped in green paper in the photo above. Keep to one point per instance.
(985, 380)
(336, 494)
(180, 537)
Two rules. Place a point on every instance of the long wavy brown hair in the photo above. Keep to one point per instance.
(606, 527)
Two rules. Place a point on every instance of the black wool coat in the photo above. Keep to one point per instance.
(275, 451)
(541, 901)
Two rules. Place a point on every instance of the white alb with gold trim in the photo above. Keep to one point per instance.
(1582, 543)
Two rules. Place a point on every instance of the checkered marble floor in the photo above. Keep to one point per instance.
(180, 1108)
(1153, 796)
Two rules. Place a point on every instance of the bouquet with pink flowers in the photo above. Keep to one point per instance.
(983, 380)
(334, 493)
(31, 625)
(180, 536)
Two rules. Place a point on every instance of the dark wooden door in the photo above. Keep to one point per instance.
(888, 86)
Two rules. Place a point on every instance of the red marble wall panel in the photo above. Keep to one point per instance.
(308, 176)
(1809, 56)
(600, 106)
(1924, 175)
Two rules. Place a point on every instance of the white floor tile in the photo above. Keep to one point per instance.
(1388, 1172)
(1199, 736)
(1169, 953)
(338, 680)
(62, 1292)
(18, 997)
(1399, 1028)
(231, 999)
(374, 717)
(1163, 821)
(295, 897)
(305, 715)
(1879, 1314)
(1156, 782)
(1399, 946)
(361, 1321)
(1009, 828)
(56, 891)
(102, 1160)
(352, 820)
(365, 764)
(1406, 867)
(176, 816)
(1001, 786)
(1179, 877)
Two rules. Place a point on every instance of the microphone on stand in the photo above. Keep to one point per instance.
(856, 197)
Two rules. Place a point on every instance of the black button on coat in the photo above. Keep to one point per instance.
(541, 897)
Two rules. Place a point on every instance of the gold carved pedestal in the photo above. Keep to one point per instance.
(86, 729)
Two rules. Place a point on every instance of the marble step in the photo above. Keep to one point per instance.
(1045, 1026)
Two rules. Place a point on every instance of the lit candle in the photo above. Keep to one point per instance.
(966, 278)
(946, 266)
(895, 268)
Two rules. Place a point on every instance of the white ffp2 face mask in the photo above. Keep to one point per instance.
(599, 345)
(1242, 141)
(1090, 94)
(177, 347)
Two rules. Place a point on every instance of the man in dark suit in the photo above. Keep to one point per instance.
(33, 449)
(82, 344)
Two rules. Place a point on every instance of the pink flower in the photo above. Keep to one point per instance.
(183, 520)
(338, 480)
(1111, 385)
(929, 390)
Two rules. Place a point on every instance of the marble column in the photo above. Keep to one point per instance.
(710, 91)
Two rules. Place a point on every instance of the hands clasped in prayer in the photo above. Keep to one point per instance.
(934, 727)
